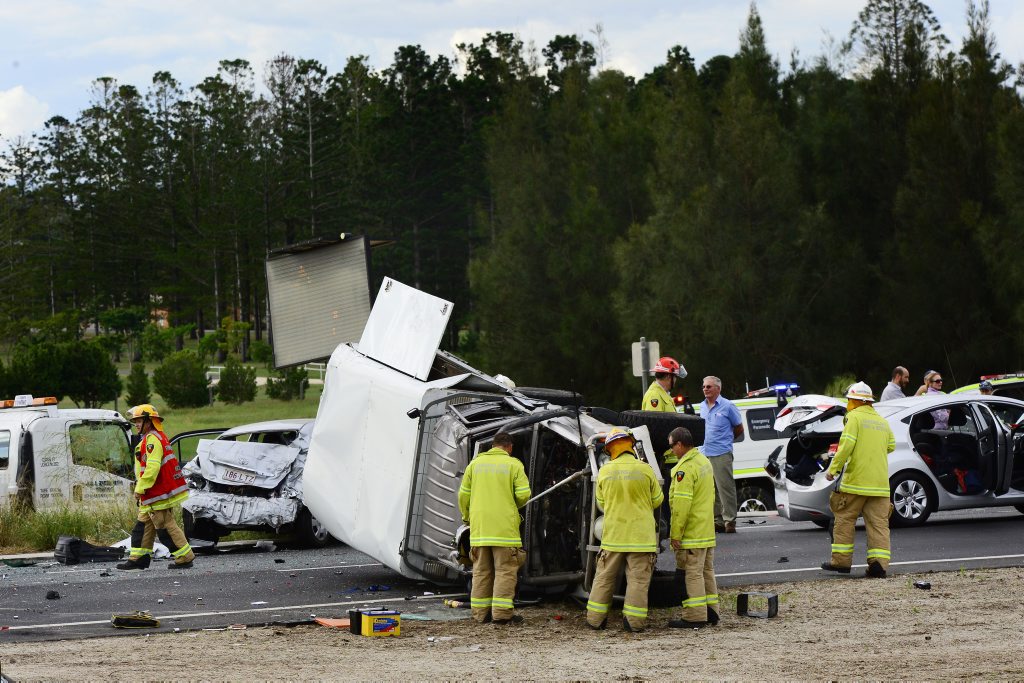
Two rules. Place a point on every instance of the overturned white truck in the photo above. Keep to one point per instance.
(399, 421)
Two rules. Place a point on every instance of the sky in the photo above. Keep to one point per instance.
(52, 50)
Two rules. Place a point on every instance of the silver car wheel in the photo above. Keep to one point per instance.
(752, 505)
(318, 530)
(910, 499)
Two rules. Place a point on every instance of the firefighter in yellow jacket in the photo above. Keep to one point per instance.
(692, 531)
(659, 394)
(863, 462)
(159, 486)
(629, 493)
(493, 489)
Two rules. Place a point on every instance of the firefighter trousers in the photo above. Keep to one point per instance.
(701, 587)
(639, 569)
(495, 571)
(154, 523)
(846, 508)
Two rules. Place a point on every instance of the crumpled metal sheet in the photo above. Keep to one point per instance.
(232, 510)
(245, 463)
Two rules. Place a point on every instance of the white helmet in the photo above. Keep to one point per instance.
(860, 391)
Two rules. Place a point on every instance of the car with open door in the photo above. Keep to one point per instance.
(953, 451)
(248, 478)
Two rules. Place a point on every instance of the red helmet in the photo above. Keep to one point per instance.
(670, 365)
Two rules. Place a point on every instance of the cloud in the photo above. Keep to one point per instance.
(20, 112)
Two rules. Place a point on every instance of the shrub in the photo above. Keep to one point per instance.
(181, 380)
(156, 343)
(88, 376)
(237, 383)
(210, 343)
(291, 384)
(138, 385)
(261, 352)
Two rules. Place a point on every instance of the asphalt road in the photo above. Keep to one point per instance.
(252, 586)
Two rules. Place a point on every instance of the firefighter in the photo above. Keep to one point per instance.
(659, 396)
(862, 463)
(493, 489)
(692, 531)
(628, 493)
(159, 486)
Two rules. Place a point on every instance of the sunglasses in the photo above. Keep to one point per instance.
(937, 381)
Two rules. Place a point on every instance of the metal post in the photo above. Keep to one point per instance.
(645, 362)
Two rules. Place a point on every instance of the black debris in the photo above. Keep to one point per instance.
(52, 595)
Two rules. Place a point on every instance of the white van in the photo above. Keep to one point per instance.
(755, 491)
(50, 456)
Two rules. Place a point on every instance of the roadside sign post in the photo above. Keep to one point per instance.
(643, 351)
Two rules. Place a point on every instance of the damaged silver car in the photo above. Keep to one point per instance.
(250, 478)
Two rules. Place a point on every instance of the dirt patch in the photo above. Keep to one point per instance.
(965, 627)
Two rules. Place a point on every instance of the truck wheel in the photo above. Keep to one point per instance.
(606, 415)
(558, 397)
(753, 496)
(665, 590)
(311, 531)
(660, 424)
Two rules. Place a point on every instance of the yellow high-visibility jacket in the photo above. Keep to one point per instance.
(493, 489)
(692, 498)
(864, 447)
(628, 492)
(657, 399)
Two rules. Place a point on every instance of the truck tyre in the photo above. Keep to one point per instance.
(607, 415)
(665, 590)
(312, 533)
(660, 424)
(558, 397)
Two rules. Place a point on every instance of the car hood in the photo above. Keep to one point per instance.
(807, 409)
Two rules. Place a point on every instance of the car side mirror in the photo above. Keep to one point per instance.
(413, 414)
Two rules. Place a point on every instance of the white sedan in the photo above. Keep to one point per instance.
(952, 452)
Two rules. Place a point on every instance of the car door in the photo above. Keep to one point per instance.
(186, 443)
(995, 451)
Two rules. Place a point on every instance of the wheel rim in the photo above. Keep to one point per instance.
(910, 499)
(320, 532)
(752, 505)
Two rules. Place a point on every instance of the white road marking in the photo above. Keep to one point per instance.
(279, 608)
(857, 566)
(333, 566)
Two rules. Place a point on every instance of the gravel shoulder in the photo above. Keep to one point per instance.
(966, 627)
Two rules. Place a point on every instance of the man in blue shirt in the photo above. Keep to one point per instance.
(722, 424)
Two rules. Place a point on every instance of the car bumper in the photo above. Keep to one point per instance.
(242, 512)
(803, 503)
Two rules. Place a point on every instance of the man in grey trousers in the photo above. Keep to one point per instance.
(722, 424)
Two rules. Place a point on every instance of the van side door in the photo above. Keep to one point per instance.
(8, 467)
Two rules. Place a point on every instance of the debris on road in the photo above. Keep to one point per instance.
(923, 585)
(468, 648)
(52, 595)
(333, 623)
(139, 619)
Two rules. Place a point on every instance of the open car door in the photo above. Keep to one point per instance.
(995, 452)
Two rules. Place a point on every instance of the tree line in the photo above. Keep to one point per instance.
(842, 214)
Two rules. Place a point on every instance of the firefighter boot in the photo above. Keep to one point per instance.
(135, 563)
(713, 617)
(874, 571)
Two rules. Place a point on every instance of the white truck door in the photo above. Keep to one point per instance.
(8, 467)
(405, 328)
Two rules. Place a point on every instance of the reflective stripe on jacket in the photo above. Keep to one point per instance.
(158, 477)
(493, 489)
(628, 492)
(692, 498)
(864, 447)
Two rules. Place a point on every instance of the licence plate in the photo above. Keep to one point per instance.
(239, 477)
